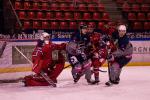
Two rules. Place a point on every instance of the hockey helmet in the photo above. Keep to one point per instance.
(122, 27)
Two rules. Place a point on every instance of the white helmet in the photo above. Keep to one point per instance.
(122, 27)
(45, 34)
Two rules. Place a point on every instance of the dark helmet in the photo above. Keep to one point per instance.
(83, 26)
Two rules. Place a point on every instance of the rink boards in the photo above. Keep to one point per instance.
(12, 62)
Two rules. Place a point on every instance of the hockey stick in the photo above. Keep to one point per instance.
(50, 81)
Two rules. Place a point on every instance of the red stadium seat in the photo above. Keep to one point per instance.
(54, 6)
(18, 5)
(22, 15)
(101, 7)
(35, 6)
(120, 1)
(54, 25)
(27, 5)
(105, 16)
(145, 7)
(131, 1)
(126, 7)
(31, 15)
(59, 15)
(26, 25)
(92, 24)
(137, 26)
(131, 16)
(45, 25)
(39, 15)
(45, 6)
(100, 25)
(147, 25)
(87, 1)
(140, 1)
(82, 7)
(79, 1)
(63, 6)
(73, 25)
(148, 16)
(96, 16)
(141, 16)
(91, 7)
(63, 25)
(36, 25)
(49, 15)
(71, 7)
(135, 7)
(68, 15)
(81, 23)
(86, 16)
(77, 15)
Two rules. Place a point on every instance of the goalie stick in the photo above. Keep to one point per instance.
(50, 81)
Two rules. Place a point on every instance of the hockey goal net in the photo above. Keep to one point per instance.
(15, 59)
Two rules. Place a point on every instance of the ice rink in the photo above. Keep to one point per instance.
(134, 85)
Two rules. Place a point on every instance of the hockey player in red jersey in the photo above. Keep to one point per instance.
(42, 62)
(98, 51)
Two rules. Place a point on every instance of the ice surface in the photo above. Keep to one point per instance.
(134, 85)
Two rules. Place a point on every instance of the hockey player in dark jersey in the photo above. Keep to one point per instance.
(121, 56)
(76, 54)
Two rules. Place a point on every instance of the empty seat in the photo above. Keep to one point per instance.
(126, 7)
(92, 25)
(120, 1)
(49, 15)
(45, 6)
(131, 16)
(31, 15)
(87, 1)
(63, 6)
(22, 15)
(147, 25)
(77, 15)
(54, 6)
(71, 7)
(140, 1)
(68, 15)
(54, 25)
(148, 16)
(39, 15)
(105, 16)
(137, 26)
(73, 25)
(63, 25)
(101, 7)
(100, 25)
(145, 7)
(86, 16)
(131, 1)
(26, 25)
(135, 7)
(81, 23)
(36, 25)
(91, 7)
(35, 6)
(58, 15)
(96, 16)
(45, 25)
(27, 5)
(18, 5)
(82, 7)
(141, 16)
